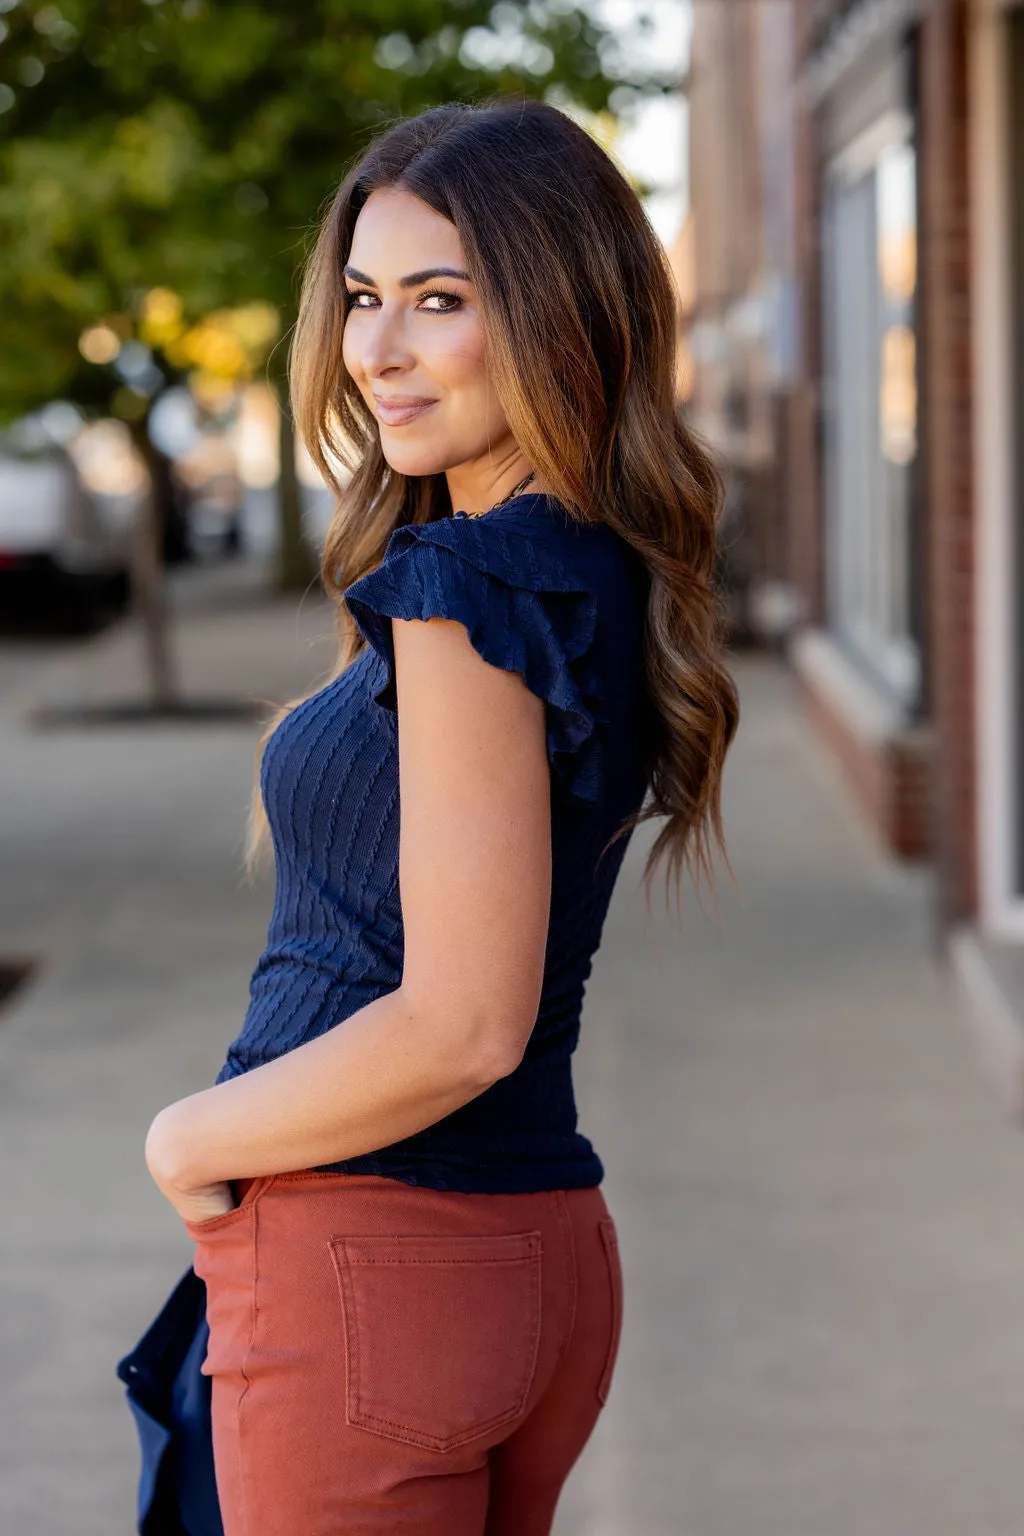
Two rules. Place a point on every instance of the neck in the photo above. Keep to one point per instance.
(475, 488)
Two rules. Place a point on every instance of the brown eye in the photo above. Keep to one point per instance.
(448, 301)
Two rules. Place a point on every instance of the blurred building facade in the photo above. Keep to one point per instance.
(856, 340)
(854, 336)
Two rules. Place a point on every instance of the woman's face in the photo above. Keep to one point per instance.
(414, 343)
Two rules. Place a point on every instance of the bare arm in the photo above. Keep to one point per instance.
(475, 881)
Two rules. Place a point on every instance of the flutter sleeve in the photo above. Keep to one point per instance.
(524, 611)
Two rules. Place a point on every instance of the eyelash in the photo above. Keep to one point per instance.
(432, 293)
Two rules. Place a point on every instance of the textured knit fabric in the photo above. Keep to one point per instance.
(563, 604)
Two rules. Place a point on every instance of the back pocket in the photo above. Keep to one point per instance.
(441, 1332)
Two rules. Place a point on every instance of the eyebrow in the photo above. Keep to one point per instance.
(414, 278)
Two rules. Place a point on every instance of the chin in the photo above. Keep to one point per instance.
(415, 462)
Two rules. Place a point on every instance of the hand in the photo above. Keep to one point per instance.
(202, 1204)
(166, 1163)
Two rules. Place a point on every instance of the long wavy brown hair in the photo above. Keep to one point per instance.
(579, 318)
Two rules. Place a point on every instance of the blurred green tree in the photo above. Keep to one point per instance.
(187, 146)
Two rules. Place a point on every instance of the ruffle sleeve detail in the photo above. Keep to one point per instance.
(524, 611)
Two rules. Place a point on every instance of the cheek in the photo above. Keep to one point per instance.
(455, 355)
(350, 351)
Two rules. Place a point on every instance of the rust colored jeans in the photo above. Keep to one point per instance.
(393, 1359)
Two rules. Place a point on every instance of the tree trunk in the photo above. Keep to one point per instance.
(149, 598)
(296, 567)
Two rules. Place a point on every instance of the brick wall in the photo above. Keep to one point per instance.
(891, 778)
(806, 544)
(945, 413)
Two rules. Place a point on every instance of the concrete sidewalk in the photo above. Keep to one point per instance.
(817, 1197)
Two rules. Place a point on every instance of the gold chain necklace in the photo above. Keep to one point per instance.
(513, 493)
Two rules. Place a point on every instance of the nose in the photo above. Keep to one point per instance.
(384, 346)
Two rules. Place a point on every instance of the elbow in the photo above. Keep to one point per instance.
(481, 1049)
(493, 1059)
(491, 1049)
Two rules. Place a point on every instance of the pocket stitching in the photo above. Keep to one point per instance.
(610, 1241)
(362, 1418)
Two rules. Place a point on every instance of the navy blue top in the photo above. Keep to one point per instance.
(563, 603)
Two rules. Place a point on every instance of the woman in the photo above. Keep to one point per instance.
(415, 1306)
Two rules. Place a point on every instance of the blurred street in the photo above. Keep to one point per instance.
(817, 1196)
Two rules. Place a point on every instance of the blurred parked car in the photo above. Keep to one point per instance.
(64, 552)
(214, 496)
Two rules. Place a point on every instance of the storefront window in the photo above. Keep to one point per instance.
(870, 281)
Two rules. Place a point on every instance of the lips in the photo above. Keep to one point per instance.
(398, 410)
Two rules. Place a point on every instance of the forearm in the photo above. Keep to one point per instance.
(381, 1075)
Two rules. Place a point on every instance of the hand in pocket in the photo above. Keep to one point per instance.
(195, 1226)
(204, 1204)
